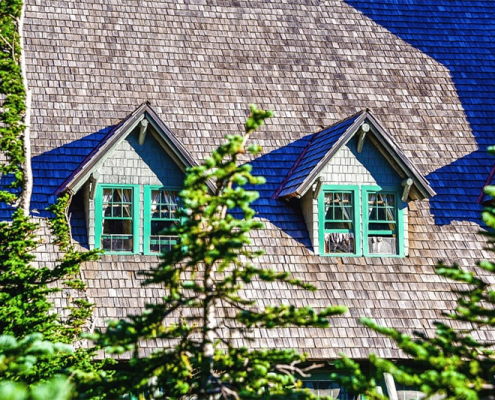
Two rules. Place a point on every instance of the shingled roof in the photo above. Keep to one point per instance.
(425, 69)
(118, 133)
(326, 143)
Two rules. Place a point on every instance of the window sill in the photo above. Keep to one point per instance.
(364, 255)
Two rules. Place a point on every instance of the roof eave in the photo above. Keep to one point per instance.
(406, 166)
(313, 175)
(400, 160)
(97, 156)
(87, 166)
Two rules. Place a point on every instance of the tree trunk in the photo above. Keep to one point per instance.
(210, 324)
(27, 180)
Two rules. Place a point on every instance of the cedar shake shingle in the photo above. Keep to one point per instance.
(425, 70)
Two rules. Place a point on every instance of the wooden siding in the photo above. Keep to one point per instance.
(138, 165)
(348, 167)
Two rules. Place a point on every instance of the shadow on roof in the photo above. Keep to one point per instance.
(50, 169)
(459, 35)
(274, 167)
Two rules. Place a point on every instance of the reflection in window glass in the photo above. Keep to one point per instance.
(324, 388)
(164, 207)
(382, 223)
(339, 222)
(117, 220)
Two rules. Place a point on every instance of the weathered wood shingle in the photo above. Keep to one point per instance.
(425, 69)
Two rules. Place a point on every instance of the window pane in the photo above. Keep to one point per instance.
(382, 217)
(127, 210)
(382, 214)
(382, 226)
(382, 244)
(329, 213)
(158, 226)
(373, 214)
(155, 211)
(107, 207)
(338, 206)
(116, 210)
(164, 204)
(161, 243)
(163, 212)
(107, 210)
(339, 216)
(325, 388)
(117, 203)
(158, 242)
(117, 226)
(126, 195)
(338, 225)
(107, 195)
(117, 223)
(390, 200)
(117, 243)
(381, 207)
(339, 243)
(116, 195)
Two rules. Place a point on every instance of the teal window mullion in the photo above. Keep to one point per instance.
(391, 215)
(166, 208)
(147, 219)
(400, 225)
(136, 218)
(338, 211)
(382, 219)
(116, 206)
(377, 232)
(357, 223)
(98, 213)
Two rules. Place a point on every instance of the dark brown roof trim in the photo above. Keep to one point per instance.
(400, 160)
(120, 130)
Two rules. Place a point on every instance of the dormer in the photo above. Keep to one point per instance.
(353, 185)
(127, 187)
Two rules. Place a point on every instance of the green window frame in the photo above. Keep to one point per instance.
(361, 221)
(117, 218)
(383, 222)
(161, 206)
(339, 221)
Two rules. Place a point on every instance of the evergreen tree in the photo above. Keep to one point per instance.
(25, 288)
(26, 302)
(203, 276)
(20, 358)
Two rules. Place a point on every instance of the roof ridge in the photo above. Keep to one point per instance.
(306, 148)
(97, 148)
(365, 110)
(294, 166)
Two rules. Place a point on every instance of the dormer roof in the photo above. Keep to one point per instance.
(149, 120)
(324, 145)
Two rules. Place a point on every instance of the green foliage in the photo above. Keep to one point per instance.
(452, 363)
(12, 87)
(355, 380)
(69, 265)
(25, 289)
(203, 276)
(20, 358)
(25, 306)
